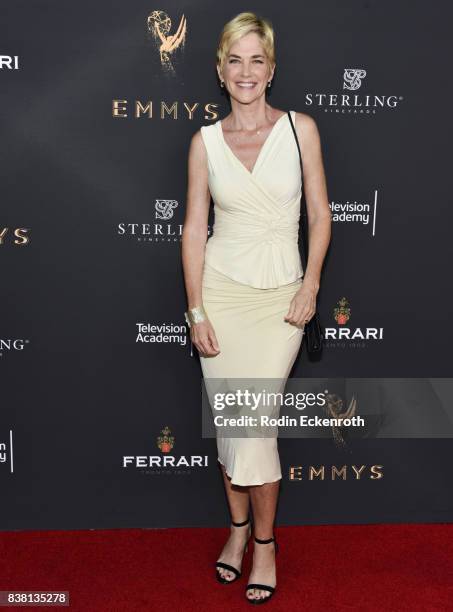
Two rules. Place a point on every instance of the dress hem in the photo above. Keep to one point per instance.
(249, 484)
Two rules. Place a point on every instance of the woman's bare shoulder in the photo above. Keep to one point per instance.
(305, 121)
(307, 130)
(197, 144)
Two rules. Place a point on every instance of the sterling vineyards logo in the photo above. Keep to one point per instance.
(168, 462)
(362, 103)
(353, 78)
(347, 336)
(162, 229)
(165, 208)
(8, 346)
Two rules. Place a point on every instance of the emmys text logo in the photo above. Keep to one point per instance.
(344, 472)
(167, 462)
(347, 336)
(362, 103)
(175, 111)
(162, 333)
(14, 236)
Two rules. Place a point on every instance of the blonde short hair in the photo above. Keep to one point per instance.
(239, 26)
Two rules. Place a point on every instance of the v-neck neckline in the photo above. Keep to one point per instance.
(263, 146)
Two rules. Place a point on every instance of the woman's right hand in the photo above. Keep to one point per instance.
(203, 337)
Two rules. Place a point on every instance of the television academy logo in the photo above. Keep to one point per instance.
(343, 336)
(357, 104)
(6, 452)
(162, 333)
(11, 345)
(9, 62)
(361, 213)
(166, 463)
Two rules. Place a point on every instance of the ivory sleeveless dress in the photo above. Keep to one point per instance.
(252, 270)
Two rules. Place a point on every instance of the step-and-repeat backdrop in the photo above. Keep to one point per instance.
(100, 419)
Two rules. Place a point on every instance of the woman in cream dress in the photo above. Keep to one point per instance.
(248, 297)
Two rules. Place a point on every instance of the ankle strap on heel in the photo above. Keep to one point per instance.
(241, 524)
(264, 541)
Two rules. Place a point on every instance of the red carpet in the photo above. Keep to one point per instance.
(334, 568)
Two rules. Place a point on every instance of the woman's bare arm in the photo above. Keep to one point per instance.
(303, 306)
(195, 229)
(318, 209)
(194, 237)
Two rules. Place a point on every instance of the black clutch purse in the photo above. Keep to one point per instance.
(314, 332)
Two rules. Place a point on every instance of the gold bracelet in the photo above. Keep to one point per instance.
(195, 315)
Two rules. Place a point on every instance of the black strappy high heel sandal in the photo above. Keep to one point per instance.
(264, 587)
(228, 567)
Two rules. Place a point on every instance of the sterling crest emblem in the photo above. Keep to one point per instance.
(159, 27)
(353, 78)
(164, 209)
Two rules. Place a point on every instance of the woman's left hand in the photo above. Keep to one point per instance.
(303, 306)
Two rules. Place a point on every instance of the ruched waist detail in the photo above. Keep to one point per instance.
(260, 229)
(267, 259)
